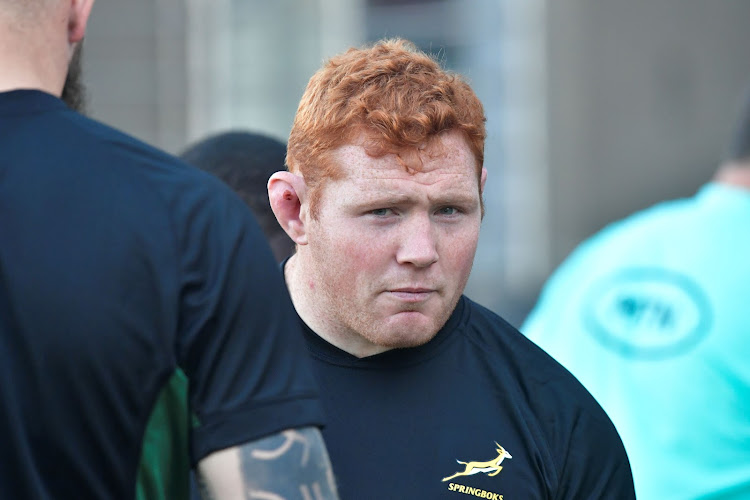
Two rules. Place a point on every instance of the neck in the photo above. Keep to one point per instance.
(32, 59)
(735, 174)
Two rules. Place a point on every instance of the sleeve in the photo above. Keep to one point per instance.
(239, 340)
(594, 463)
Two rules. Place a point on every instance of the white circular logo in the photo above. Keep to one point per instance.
(648, 313)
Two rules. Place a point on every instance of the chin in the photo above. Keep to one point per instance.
(403, 339)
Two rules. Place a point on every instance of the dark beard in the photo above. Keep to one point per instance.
(74, 91)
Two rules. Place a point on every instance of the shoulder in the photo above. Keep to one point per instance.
(147, 172)
(546, 387)
(497, 338)
(533, 367)
(75, 150)
(157, 197)
(123, 149)
(569, 425)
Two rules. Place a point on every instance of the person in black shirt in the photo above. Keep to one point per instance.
(429, 395)
(144, 325)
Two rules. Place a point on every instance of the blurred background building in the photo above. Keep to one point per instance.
(596, 108)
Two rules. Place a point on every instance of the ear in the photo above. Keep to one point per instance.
(482, 180)
(286, 192)
(78, 19)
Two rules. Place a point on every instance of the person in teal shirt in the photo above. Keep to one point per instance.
(652, 315)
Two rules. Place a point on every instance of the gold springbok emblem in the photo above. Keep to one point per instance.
(492, 467)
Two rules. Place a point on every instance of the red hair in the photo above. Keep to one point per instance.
(398, 96)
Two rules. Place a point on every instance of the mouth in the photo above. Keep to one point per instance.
(412, 294)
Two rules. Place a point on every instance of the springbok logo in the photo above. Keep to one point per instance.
(491, 467)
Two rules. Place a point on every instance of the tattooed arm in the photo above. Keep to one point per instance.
(291, 465)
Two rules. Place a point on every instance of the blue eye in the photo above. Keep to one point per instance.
(380, 212)
(448, 211)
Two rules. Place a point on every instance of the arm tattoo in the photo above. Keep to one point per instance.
(291, 465)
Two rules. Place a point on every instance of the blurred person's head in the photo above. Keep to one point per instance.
(739, 147)
(735, 169)
(383, 197)
(245, 161)
(40, 42)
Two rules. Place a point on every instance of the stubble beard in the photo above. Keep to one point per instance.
(357, 316)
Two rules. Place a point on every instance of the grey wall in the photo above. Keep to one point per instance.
(135, 63)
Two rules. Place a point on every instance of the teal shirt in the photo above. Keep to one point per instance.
(652, 315)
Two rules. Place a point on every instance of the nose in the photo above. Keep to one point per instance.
(418, 242)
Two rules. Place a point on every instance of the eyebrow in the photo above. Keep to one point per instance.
(385, 199)
(405, 199)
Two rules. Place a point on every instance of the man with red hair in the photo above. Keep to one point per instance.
(383, 198)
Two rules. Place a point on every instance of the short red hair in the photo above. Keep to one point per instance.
(395, 94)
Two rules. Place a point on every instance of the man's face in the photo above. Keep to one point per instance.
(392, 250)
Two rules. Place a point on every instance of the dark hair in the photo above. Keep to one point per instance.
(245, 161)
(74, 90)
(739, 147)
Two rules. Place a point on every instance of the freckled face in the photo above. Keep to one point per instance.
(392, 250)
